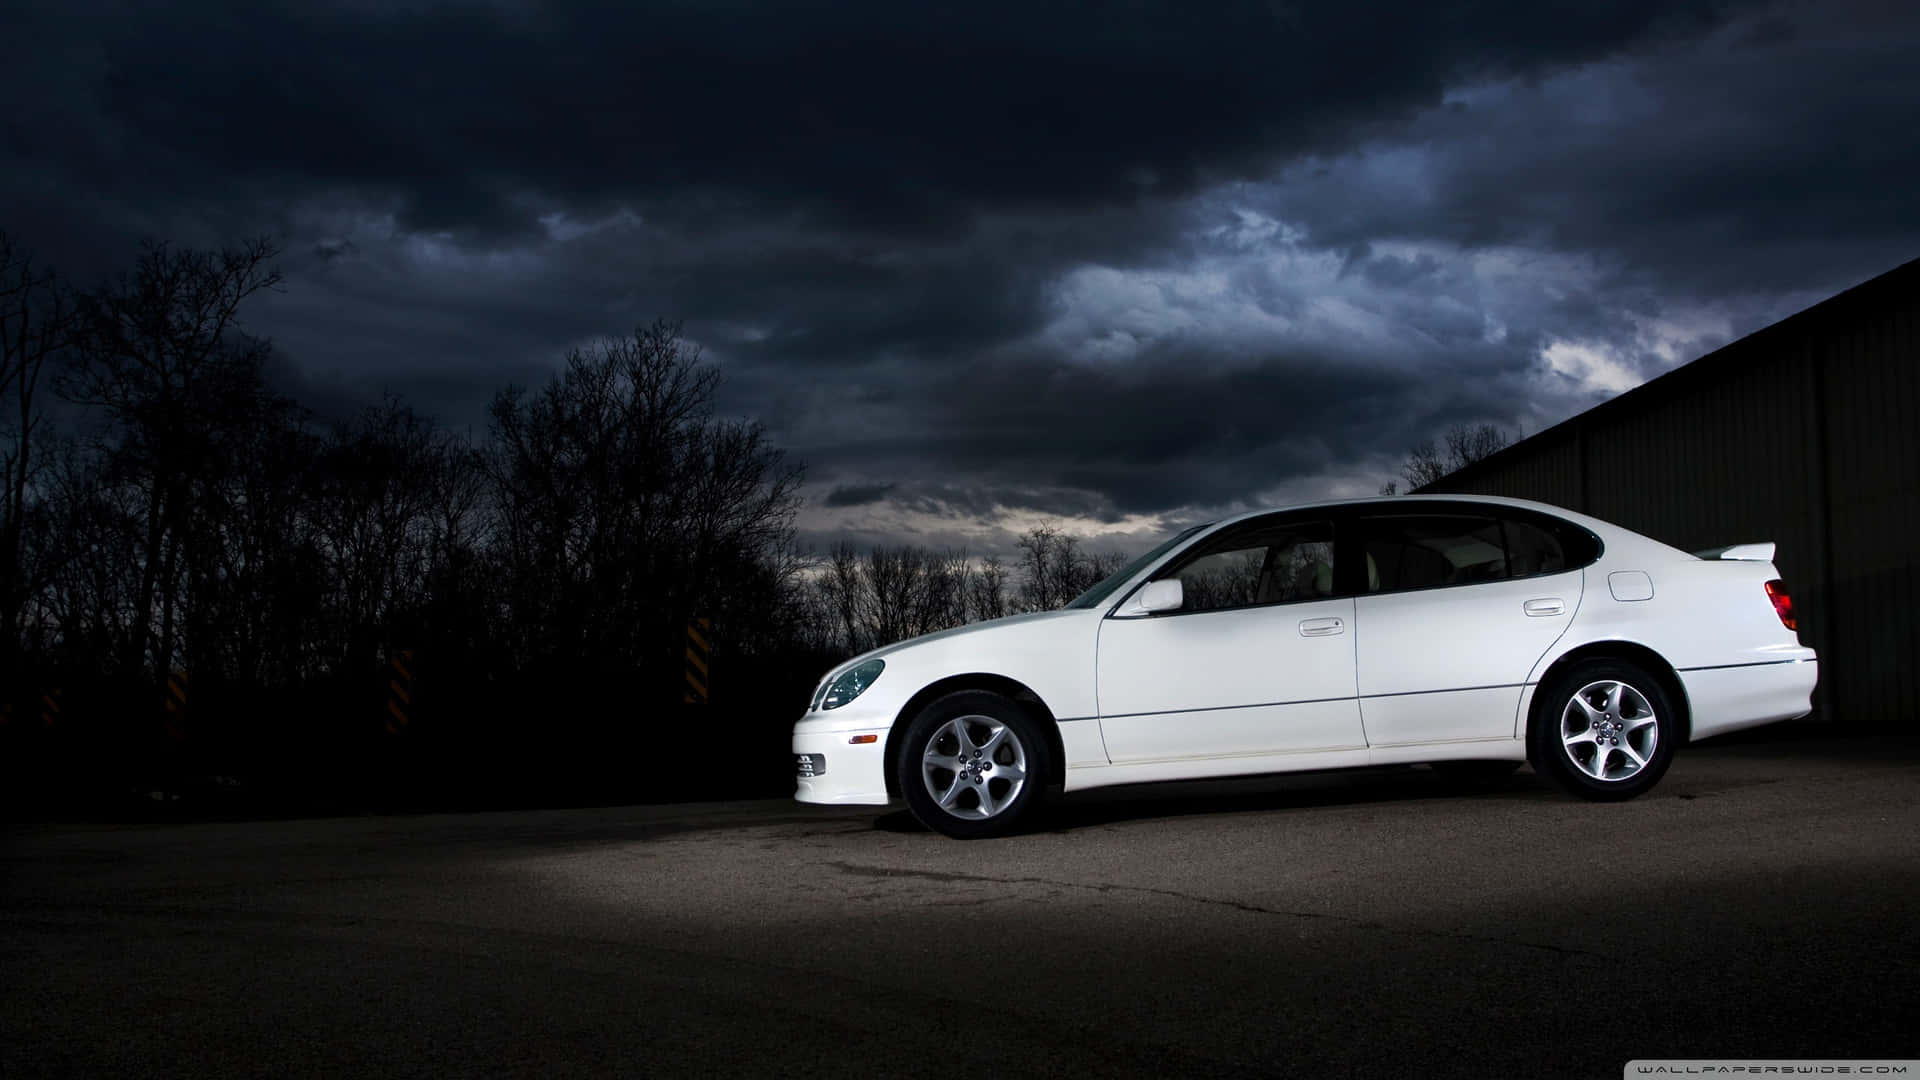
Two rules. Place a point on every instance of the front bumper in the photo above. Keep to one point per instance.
(849, 772)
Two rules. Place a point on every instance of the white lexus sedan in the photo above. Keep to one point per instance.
(1472, 633)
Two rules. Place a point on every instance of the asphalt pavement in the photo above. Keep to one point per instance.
(1760, 903)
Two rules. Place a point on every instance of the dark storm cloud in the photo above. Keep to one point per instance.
(474, 116)
(1157, 436)
(1772, 155)
(1167, 441)
(876, 135)
(858, 494)
(1100, 261)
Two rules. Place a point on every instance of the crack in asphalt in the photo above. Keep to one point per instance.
(859, 870)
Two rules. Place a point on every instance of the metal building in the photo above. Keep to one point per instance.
(1806, 433)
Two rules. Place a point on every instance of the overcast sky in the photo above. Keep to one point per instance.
(1116, 265)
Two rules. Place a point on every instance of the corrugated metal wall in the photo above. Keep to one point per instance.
(1806, 433)
(1870, 380)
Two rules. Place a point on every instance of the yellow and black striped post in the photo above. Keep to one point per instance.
(699, 654)
(176, 702)
(50, 707)
(399, 691)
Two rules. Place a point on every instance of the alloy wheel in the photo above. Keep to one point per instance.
(974, 767)
(1609, 731)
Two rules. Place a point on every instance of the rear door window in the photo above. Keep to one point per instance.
(1425, 551)
(1533, 550)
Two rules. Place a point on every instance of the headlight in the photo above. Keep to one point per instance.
(852, 683)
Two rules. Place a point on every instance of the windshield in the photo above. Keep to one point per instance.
(1092, 597)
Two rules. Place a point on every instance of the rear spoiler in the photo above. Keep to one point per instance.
(1741, 552)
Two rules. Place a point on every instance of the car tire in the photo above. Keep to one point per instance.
(1603, 730)
(973, 764)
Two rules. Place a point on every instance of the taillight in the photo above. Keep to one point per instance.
(1782, 603)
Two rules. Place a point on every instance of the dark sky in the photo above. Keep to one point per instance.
(1119, 265)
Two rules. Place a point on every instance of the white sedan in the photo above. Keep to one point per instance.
(1471, 633)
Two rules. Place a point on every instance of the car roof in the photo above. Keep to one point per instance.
(1562, 512)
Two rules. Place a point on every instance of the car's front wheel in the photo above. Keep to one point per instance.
(972, 764)
(1604, 730)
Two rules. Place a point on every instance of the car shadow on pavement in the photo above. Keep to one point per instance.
(1292, 791)
(1797, 741)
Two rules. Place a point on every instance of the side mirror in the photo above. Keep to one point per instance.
(1167, 594)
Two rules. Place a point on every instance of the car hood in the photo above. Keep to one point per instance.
(987, 627)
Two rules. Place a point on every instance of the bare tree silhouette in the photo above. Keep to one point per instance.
(1463, 445)
(161, 357)
(1054, 569)
(181, 513)
(36, 323)
(622, 507)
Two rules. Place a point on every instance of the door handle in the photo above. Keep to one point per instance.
(1552, 605)
(1321, 627)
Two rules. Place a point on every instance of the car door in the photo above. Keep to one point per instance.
(1258, 660)
(1445, 633)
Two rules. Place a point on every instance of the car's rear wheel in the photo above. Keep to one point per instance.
(1604, 730)
(972, 764)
